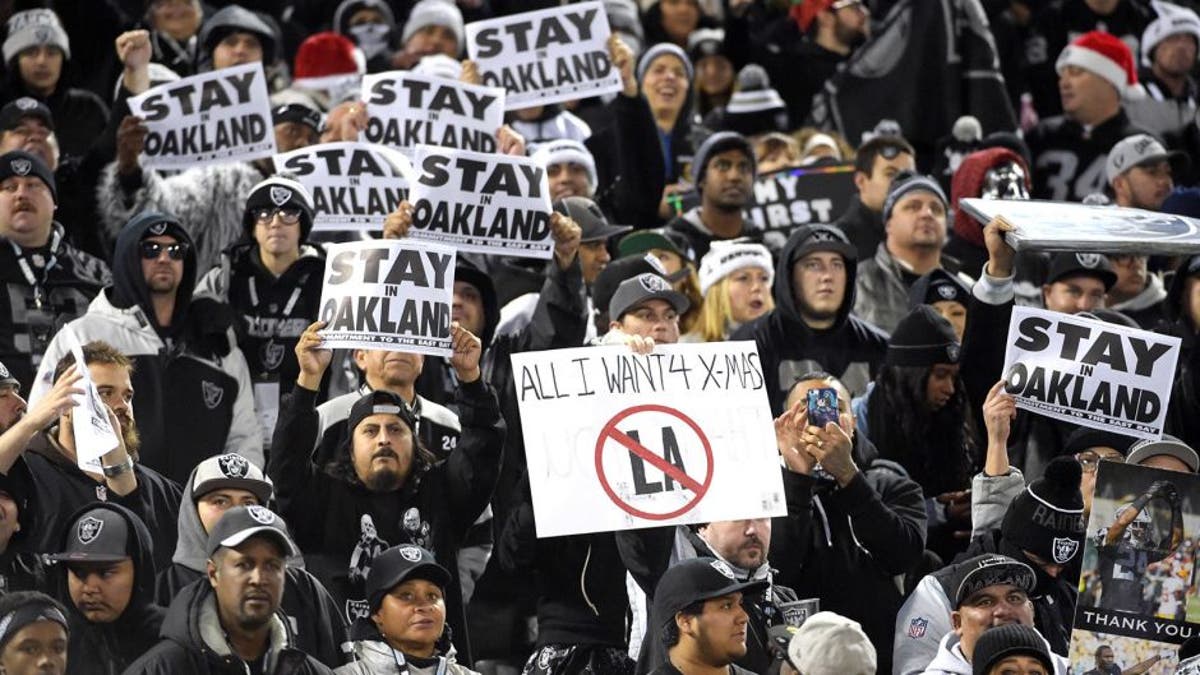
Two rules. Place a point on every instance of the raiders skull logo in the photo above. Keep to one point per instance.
(158, 228)
(233, 466)
(1064, 549)
(410, 553)
(1088, 260)
(656, 264)
(21, 167)
(280, 195)
(947, 291)
(261, 514)
(42, 35)
(822, 235)
(272, 355)
(89, 528)
(212, 394)
(952, 353)
(723, 568)
(4, 374)
(653, 283)
(26, 103)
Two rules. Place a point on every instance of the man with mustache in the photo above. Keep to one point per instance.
(230, 621)
(46, 467)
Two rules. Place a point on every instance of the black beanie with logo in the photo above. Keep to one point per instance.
(1046, 519)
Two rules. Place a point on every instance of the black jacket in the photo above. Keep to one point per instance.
(700, 238)
(863, 227)
(1068, 161)
(66, 288)
(107, 649)
(341, 525)
(57, 487)
(850, 350)
(80, 116)
(183, 648)
(845, 545)
(629, 165)
(314, 619)
(437, 381)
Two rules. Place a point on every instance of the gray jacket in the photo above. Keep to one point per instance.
(990, 497)
(373, 657)
(881, 297)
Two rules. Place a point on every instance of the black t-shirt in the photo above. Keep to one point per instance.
(1122, 567)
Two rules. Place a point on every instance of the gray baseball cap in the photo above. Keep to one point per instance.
(1137, 150)
(637, 290)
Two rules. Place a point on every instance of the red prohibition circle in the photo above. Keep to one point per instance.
(606, 433)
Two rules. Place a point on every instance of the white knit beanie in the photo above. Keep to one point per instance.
(564, 150)
(434, 13)
(726, 257)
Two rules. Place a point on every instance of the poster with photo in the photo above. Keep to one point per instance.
(1138, 598)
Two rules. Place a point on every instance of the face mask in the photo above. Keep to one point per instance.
(1005, 181)
(371, 38)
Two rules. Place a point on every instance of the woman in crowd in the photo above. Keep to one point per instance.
(735, 280)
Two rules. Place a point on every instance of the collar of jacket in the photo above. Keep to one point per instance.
(213, 635)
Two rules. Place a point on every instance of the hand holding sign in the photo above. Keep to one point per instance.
(623, 60)
(510, 142)
(312, 357)
(470, 73)
(567, 235)
(466, 352)
(396, 225)
(1000, 253)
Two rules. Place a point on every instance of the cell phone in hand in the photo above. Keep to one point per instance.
(822, 407)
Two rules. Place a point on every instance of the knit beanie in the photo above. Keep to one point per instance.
(1103, 54)
(715, 145)
(1172, 20)
(566, 150)
(659, 50)
(755, 108)
(725, 258)
(1013, 639)
(906, 182)
(922, 338)
(328, 61)
(348, 8)
(434, 13)
(21, 163)
(937, 286)
(237, 19)
(279, 192)
(33, 28)
(1047, 517)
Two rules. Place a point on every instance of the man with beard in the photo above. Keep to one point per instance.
(230, 622)
(382, 487)
(915, 225)
(724, 168)
(191, 382)
(56, 485)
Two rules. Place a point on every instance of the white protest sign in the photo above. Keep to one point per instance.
(354, 186)
(393, 295)
(1060, 226)
(219, 116)
(497, 204)
(1089, 372)
(546, 56)
(409, 109)
(681, 435)
(93, 432)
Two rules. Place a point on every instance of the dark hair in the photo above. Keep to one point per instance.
(669, 633)
(937, 448)
(96, 351)
(1102, 648)
(16, 599)
(864, 160)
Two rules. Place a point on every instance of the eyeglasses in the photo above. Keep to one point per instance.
(1089, 460)
(290, 216)
(151, 250)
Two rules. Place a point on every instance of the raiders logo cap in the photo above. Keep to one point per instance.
(399, 564)
(230, 470)
(695, 580)
(243, 522)
(98, 535)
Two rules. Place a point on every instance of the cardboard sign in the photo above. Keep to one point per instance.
(93, 432)
(788, 198)
(214, 117)
(1089, 372)
(497, 204)
(354, 186)
(1059, 226)
(407, 109)
(1138, 579)
(681, 435)
(547, 56)
(393, 295)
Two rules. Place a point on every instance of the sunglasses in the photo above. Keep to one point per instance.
(290, 216)
(151, 250)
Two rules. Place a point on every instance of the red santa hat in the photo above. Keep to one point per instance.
(328, 61)
(1106, 56)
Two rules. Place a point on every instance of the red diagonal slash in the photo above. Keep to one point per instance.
(656, 461)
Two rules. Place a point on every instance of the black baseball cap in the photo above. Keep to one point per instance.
(379, 402)
(937, 286)
(696, 580)
(299, 113)
(243, 522)
(398, 564)
(6, 377)
(99, 535)
(1063, 265)
(14, 111)
(982, 571)
(642, 288)
(590, 219)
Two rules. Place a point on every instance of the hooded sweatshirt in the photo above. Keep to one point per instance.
(314, 619)
(193, 642)
(850, 350)
(107, 648)
(438, 381)
(193, 396)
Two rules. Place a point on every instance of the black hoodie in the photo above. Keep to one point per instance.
(438, 381)
(108, 648)
(851, 350)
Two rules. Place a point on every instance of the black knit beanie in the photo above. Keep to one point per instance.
(1046, 519)
(923, 338)
(1001, 642)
